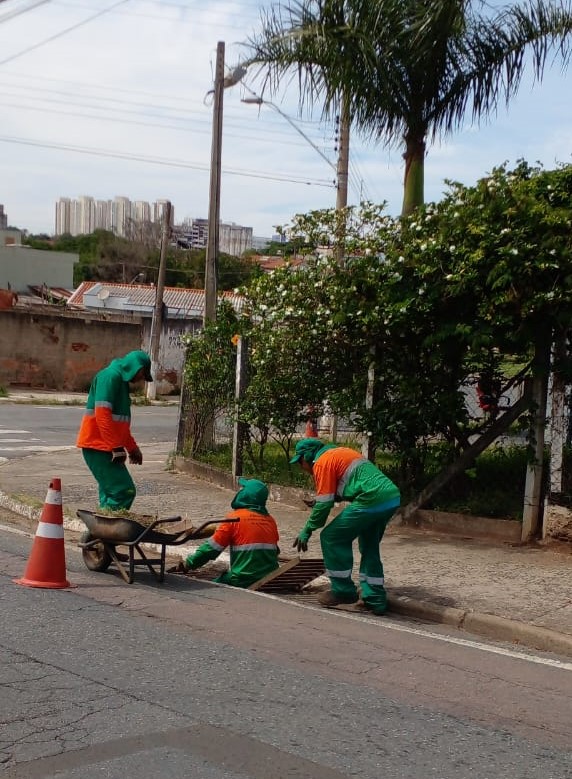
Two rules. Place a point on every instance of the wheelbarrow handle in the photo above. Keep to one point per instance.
(214, 522)
(192, 532)
(152, 526)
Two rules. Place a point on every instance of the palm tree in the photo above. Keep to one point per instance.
(408, 71)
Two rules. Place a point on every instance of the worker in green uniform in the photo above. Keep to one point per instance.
(341, 473)
(253, 539)
(105, 433)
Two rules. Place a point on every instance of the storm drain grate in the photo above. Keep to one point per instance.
(291, 576)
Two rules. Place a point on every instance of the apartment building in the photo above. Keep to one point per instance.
(83, 215)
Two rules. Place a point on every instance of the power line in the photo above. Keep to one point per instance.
(61, 33)
(11, 14)
(194, 22)
(164, 162)
(177, 98)
(271, 139)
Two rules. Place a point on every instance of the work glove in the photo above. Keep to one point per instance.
(118, 455)
(135, 456)
(301, 540)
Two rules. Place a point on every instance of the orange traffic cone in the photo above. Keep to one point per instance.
(47, 563)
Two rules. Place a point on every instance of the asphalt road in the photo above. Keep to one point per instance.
(193, 680)
(27, 428)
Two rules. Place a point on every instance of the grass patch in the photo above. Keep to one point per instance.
(493, 487)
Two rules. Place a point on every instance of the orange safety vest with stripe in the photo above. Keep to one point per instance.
(342, 473)
(253, 544)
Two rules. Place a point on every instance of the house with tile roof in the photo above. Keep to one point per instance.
(183, 311)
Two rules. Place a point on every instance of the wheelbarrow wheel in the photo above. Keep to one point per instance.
(96, 557)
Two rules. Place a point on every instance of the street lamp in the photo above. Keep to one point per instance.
(342, 166)
(257, 100)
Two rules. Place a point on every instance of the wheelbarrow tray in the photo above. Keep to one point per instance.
(105, 533)
(124, 530)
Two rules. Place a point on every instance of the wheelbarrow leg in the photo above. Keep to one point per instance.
(120, 567)
(158, 576)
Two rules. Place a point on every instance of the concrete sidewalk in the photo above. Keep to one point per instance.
(521, 594)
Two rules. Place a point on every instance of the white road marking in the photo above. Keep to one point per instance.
(496, 650)
(18, 440)
(35, 448)
(13, 432)
(16, 531)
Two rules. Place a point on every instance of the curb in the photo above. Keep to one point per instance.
(478, 623)
(486, 625)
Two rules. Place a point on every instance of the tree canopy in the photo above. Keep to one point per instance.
(407, 71)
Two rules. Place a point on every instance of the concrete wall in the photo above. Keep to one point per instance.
(171, 351)
(20, 266)
(557, 522)
(49, 348)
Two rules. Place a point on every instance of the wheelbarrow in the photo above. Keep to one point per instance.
(105, 533)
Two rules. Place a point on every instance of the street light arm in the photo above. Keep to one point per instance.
(257, 100)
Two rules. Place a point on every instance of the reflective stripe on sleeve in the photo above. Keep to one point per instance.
(49, 530)
(325, 498)
(120, 417)
(250, 547)
(348, 472)
(214, 545)
(102, 404)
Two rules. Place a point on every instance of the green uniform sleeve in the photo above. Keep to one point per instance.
(319, 516)
(204, 554)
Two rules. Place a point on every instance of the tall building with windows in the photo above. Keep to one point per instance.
(120, 215)
(3, 218)
(84, 215)
(63, 216)
(234, 239)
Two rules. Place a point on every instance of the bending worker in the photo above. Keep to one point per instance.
(253, 540)
(105, 432)
(341, 473)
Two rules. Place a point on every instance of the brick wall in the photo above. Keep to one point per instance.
(46, 347)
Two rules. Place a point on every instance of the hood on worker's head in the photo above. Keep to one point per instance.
(252, 495)
(307, 449)
(132, 363)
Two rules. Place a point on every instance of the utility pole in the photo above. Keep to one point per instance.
(211, 259)
(342, 176)
(342, 171)
(157, 322)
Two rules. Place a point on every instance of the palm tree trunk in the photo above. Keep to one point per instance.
(414, 178)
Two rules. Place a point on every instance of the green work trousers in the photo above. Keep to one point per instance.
(367, 524)
(116, 487)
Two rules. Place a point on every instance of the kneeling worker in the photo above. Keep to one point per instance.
(342, 473)
(253, 541)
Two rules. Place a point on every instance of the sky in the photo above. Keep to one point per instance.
(118, 106)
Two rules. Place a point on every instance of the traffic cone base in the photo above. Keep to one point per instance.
(47, 563)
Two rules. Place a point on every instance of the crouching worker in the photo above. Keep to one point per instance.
(343, 474)
(253, 541)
